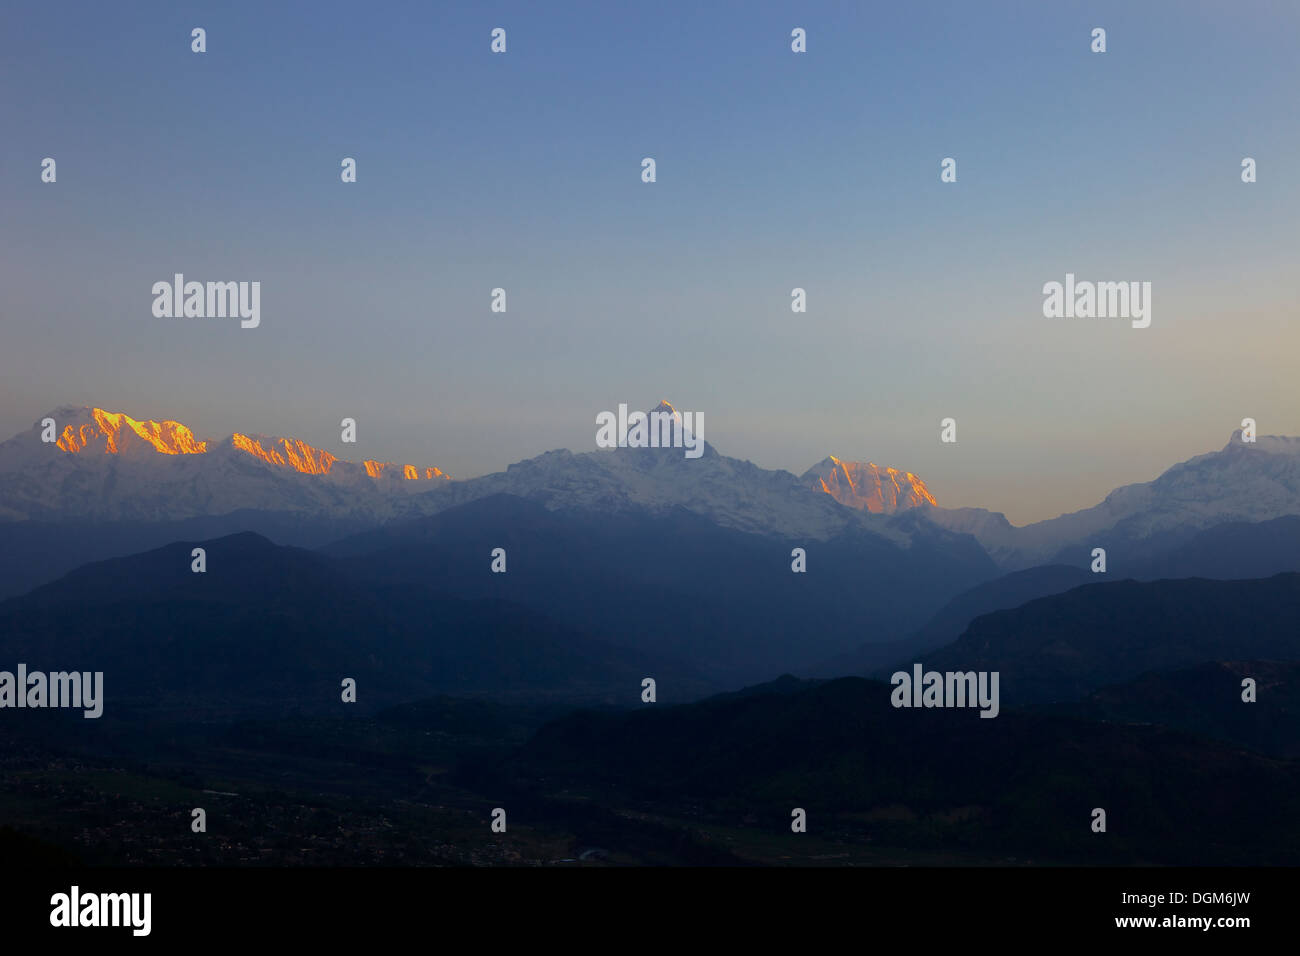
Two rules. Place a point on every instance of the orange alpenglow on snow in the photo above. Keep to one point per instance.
(376, 469)
(867, 486)
(167, 437)
(119, 431)
(288, 451)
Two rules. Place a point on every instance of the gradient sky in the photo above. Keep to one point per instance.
(775, 170)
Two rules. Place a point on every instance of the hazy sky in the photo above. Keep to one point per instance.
(775, 170)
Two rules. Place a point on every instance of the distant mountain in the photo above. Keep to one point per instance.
(112, 485)
(939, 779)
(108, 470)
(867, 486)
(107, 466)
(727, 491)
(1244, 481)
(1068, 645)
(723, 599)
(268, 629)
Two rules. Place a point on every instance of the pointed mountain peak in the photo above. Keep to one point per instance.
(1276, 444)
(664, 427)
(665, 407)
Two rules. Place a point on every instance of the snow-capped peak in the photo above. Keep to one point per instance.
(97, 430)
(1243, 481)
(108, 465)
(867, 486)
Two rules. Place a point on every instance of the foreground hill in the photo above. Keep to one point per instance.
(268, 629)
(1207, 700)
(1067, 645)
(866, 771)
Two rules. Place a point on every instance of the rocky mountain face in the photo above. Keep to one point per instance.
(867, 486)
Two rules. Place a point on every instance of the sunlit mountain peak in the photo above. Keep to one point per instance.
(867, 486)
(114, 432)
(89, 431)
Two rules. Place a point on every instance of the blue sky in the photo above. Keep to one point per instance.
(775, 170)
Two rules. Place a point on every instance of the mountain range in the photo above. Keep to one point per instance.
(268, 629)
(112, 485)
(107, 466)
(883, 556)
